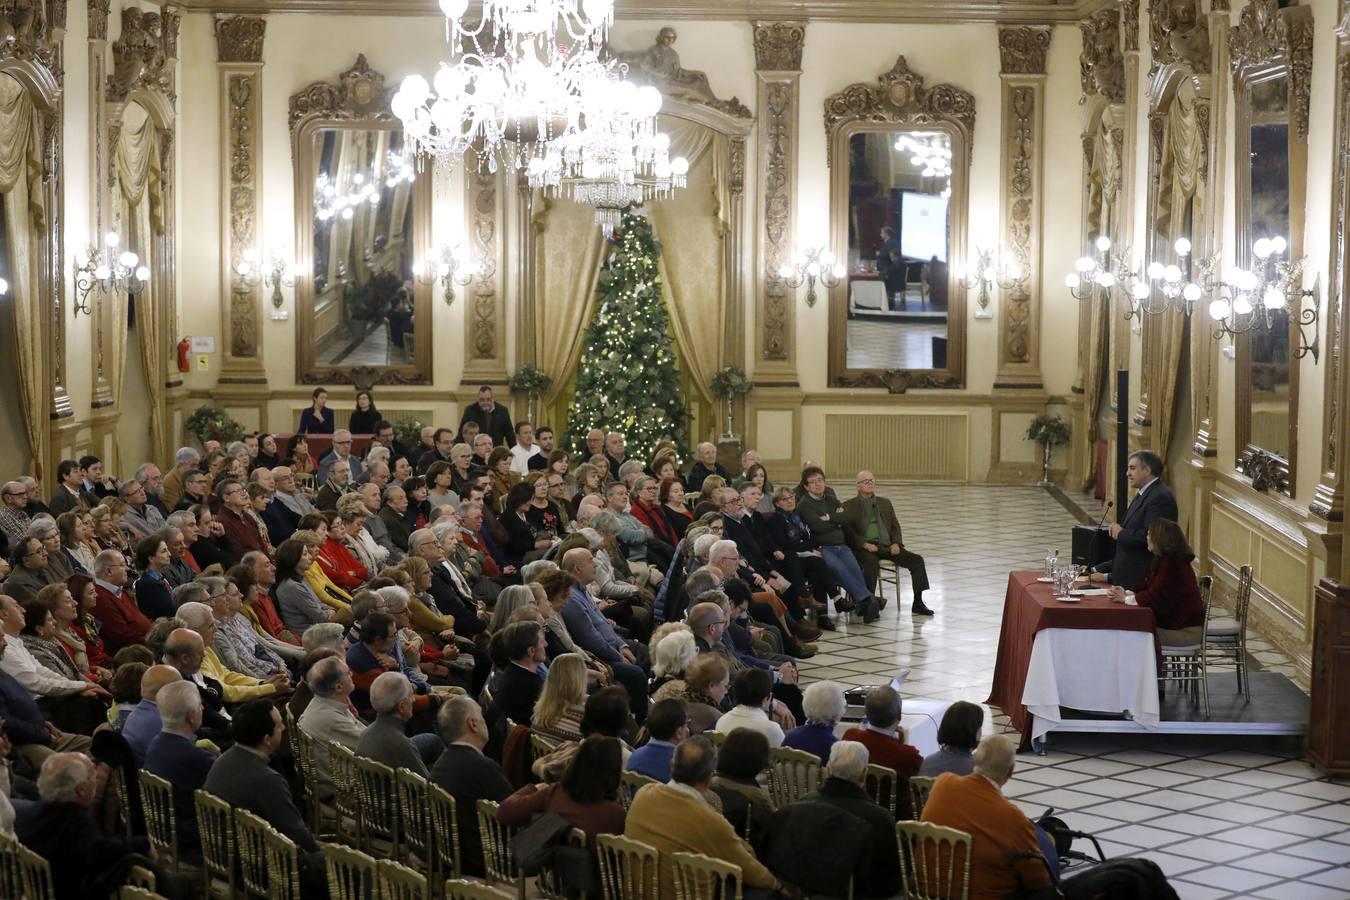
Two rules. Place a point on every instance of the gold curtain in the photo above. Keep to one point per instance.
(1177, 213)
(141, 212)
(1103, 185)
(25, 219)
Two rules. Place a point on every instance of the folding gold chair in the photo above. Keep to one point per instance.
(215, 824)
(250, 834)
(378, 790)
(880, 785)
(629, 784)
(934, 861)
(699, 877)
(547, 881)
(792, 775)
(628, 868)
(351, 873)
(398, 882)
(461, 889)
(444, 831)
(283, 865)
(920, 787)
(496, 840)
(346, 793)
(414, 805)
(161, 823)
(35, 874)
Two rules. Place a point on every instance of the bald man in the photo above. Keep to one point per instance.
(144, 721)
(874, 534)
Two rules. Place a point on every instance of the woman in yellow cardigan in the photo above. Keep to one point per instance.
(236, 686)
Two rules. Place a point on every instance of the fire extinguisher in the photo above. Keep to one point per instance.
(184, 348)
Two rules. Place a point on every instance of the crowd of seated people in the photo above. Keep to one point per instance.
(435, 608)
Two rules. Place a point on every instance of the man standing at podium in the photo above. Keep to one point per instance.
(1153, 500)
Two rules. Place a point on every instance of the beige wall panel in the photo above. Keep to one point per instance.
(921, 446)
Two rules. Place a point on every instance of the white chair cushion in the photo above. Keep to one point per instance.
(1223, 626)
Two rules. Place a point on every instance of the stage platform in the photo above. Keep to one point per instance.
(1277, 708)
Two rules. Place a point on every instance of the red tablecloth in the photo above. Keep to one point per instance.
(1030, 607)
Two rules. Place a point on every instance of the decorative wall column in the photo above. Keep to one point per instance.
(101, 397)
(485, 309)
(239, 48)
(778, 69)
(1022, 51)
(61, 412)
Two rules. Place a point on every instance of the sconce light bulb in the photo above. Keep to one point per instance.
(786, 272)
(838, 271)
(347, 214)
(102, 273)
(1103, 243)
(1014, 272)
(1262, 248)
(1274, 298)
(127, 260)
(1183, 247)
(1192, 292)
(813, 268)
(1278, 245)
(990, 273)
(4, 287)
(1084, 264)
(142, 274)
(1155, 270)
(243, 267)
(1106, 280)
(1242, 306)
(1072, 281)
(1172, 274)
(1140, 291)
(1220, 309)
(112, 239)
(418, 269)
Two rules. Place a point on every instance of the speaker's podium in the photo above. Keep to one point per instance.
(1092, 544)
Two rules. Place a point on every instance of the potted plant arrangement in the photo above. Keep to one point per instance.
(532, 382)
(1048, 431)
(210, 424)
(408, 432)
(728, 384)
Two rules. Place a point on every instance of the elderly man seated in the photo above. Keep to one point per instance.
(174, 756)
(975, 804)
(237, 687)
(844, 788)
(144, 722)
(385, 740)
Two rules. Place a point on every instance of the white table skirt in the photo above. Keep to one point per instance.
(1093, 670)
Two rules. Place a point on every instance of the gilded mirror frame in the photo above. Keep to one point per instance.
(1268, 44)
(899, 101)
(358, 100)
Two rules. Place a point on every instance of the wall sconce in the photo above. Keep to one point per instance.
(1247, 301)
(985, 276)
(278, 271)
(812, 264)
(450, 266)
(4, 287)
(106, 270)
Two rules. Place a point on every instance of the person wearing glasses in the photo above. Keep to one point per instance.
(241, 534)
(29, 573)
(14, 518)
(341, 452)
(874, 532)
(121, 622)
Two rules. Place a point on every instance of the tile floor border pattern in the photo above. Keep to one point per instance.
(1224, 818)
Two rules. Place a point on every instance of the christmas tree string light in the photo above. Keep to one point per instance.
(627, 380)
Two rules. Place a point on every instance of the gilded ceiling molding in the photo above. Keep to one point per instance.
(1178, 35)
(1266, 33)
(98, 19)
(1022, 50)
(358, 93)
(778, 62)
(1102, 64)
(659, 66)
(140, 57)
(239, 39)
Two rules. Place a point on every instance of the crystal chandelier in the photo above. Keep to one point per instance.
(333, 200)
(932, 157)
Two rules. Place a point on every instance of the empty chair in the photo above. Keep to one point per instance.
(920, 786)
(880, 786)
(792, 775)
(215, 824)
(1226, 636)
(699, 877)
(628, 868)
(351, 873)
(934, 861)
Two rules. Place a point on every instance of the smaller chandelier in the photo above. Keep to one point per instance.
(278, 271)
(335, 201)
(812, 264)
(986, 275)
(1250, 300)
(106, 270)
(450, 266)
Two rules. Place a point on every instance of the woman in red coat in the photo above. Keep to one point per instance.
(337, 561)
(1170, 589)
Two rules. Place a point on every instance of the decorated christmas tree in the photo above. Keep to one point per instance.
(627, 380)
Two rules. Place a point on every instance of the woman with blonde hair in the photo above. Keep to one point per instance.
(562, 701)
(328, 592)
(585, 479)
(426, 618)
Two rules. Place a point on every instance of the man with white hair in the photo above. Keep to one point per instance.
(342, 450)
(186, 459)
(844, 788)
(14, 518)
(386, 740)
(707, 465)
(236, 687)
(329, 716)
(615, 451)
(175, 756)
(121, 620)
(283, 480)
(975, 804)
(152, 480)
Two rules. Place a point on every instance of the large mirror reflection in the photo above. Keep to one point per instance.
(899, 243)
(363, 249)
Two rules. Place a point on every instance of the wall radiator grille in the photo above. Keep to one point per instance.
(926, 446)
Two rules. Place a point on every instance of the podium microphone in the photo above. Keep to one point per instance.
(1107, 509)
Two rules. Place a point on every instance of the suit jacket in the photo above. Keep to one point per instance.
(67, 836)
(879, 872)
(451, 601)
(64, 501)
(23, 583)
(325, 464)
(184, 765)
(242, 778)
(24, 722)
(386, 741)
(281, 521)
(496, 423)
(517, 689)
(398, 528)
(469, 776)
(856, 525)
(738, 530)
(1132, 559)
(699, 472)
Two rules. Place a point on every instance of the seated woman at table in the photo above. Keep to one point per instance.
(1170, 588)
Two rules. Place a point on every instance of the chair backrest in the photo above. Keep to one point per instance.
(550, 884)
(302, 746)
(283, 865)
(792, 775)
(541, 746)
(398, 882)
(630, 783)
(414, 805)
(934, 861)
(215, 824)
(628, 868)
(919, 788)
(1206, 583)
(1242, 602)
(351, 873)
(699, 877)
(124, 811)
(250, 835)
(880, 786)
(35, 874)
(346, 791)
(161, 825)
(444, 830)
(11, 875)
(132, 892)
(496, 840)
(379, 814)
(717, 737)
(460, 889)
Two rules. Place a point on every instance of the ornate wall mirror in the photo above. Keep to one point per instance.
(899, 154)
(1272, 68)
(363, 219)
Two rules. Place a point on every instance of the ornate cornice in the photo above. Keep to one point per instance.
(900, 97)
(1022, 50)
(1179, 35)
(24, 32)
(1129, 21)
(358, 93)
(139, 56)
(239, 39)
(778, 46)
(1102, 64)
(98, 19)
(1268, 35)
(659, 66)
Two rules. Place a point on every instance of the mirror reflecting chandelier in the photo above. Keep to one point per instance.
(332, 199)
(933, 157)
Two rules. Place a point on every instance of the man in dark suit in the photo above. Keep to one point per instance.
(242, 778)
(174, 756)
(492, 419)
(843, 788)
(467, 775)
(519, 684)
(1153, 500)
(874, 533)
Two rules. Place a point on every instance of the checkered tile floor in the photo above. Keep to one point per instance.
(1235, 817)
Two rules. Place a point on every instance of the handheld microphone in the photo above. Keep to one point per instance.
(1105, 510)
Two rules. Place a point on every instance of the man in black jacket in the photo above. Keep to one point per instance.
(492, 419)
(1153, 500)
(843, 788)
(519, 684)
(467, 775)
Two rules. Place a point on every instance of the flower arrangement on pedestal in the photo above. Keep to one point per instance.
(728, 384)
(1049, 432)
(210, 424)
(532, 382)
